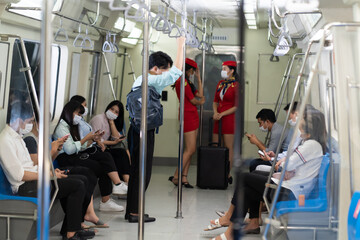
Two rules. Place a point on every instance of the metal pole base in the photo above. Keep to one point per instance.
(179, 215)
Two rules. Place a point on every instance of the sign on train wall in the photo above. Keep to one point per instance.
(225, 36)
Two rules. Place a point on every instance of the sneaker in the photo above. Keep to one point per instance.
(120, 189)
(110, 206)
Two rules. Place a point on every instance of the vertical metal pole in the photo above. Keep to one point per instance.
(204, 21)
(44, 122)
(239, 127)
(143, 129)
(181, 136)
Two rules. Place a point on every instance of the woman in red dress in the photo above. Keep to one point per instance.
(224, 107)
(193, 98)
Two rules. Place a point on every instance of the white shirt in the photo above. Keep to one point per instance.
(14, 157)
(306, 161)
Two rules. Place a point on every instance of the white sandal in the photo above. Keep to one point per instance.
(214, 226)
(222, 236)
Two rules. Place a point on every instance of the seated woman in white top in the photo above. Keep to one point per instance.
(77, 152)
(301, 172)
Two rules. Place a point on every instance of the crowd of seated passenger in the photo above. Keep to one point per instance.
(300, 175)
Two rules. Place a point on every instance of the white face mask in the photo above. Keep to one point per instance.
(224, 74)
(110, 115)
(86, 112)
(263, 129)
(192, 77)
(76, 119)
(27, 129)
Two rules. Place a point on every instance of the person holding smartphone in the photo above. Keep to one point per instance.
(111, 125)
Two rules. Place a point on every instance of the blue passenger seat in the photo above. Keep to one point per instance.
(353, 217)
(21, 213)
(317, 202)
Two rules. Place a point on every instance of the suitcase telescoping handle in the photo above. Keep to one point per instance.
(211, 120)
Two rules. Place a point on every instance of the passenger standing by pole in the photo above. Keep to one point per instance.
(161, 74)
(193, 98)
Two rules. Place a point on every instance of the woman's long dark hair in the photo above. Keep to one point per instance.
(192, 86)
(315, 126)
(67, 116)
(78, 98)
(236, 76)
(119, 121)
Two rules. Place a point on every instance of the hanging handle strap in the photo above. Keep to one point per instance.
(78, 41)
(87, 43)
(139, 15)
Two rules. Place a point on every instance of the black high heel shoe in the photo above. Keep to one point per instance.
(186, 184)
(230, 180)
(171, 178)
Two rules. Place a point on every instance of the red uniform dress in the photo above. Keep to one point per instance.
(191, 117)
(225, 102)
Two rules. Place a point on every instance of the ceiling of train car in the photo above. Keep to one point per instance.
(224, 12)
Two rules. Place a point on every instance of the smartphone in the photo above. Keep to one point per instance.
(66, 171)
(261, 153)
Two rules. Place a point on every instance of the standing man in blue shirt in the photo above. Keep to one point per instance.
(162, 73)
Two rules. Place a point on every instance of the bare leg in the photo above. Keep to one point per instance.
(190, 148)
(126, 177)
(105, 198)
(225, 220)
(229, 143)
(114, 176)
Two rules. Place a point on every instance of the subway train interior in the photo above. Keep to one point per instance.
(255, 137)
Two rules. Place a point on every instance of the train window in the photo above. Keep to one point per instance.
(213, 66)
(19, 84)
(4, 49)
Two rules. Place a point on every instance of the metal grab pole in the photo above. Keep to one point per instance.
(143, 129)
(44, 128)
(181, 136)
(204, 20)
(109, 75)
(239, 128)
(282, 136)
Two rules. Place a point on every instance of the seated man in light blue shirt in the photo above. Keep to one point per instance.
(161, 74)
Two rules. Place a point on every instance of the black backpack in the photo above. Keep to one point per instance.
(154, 110)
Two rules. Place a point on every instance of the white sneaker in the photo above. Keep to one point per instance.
(110, 206)
(120, 189)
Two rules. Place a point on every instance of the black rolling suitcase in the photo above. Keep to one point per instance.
(213, 163)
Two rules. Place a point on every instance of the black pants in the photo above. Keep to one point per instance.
(256, 162)
(121, 160)
(101, 163)
(73, 198)
(254, 187)
(134, 146)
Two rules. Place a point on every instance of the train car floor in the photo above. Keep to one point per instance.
(198, 208)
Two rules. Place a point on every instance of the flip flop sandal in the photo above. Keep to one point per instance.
(99, 224)
(214, 226)
(220, 213)
(222, 236)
